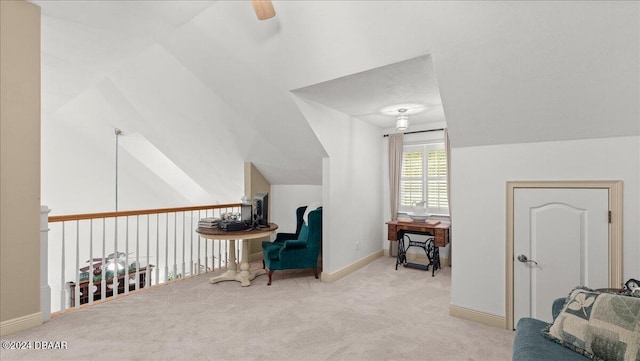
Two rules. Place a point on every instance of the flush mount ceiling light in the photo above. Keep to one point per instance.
(402, 120)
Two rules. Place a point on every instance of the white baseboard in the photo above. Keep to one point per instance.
(477, 316)
(419, 257)
(334, 276)
(21, 323)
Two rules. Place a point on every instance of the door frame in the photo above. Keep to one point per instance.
(615, 231)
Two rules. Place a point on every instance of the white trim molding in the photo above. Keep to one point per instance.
(476, 316)
(20, 323)
(331, 277)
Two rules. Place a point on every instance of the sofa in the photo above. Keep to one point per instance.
(587, 324)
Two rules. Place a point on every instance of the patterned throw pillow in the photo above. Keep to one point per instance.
(601, 326)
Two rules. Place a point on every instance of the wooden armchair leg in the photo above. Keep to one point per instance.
(315, 272)
(270, 273)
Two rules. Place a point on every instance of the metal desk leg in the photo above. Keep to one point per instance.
(401, 258)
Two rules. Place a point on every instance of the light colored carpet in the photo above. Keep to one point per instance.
(376, 313)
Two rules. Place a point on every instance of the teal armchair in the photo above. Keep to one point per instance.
(298, 253)
(281, 237)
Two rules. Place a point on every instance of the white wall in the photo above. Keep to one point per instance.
(479, 176)
(285, 199)
(352, 185)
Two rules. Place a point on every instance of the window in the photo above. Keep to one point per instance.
(424, 177)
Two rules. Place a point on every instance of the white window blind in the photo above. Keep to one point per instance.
(424, 177)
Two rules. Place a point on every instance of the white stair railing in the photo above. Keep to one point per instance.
(92, 257)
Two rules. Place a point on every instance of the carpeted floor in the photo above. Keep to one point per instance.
(376, 313)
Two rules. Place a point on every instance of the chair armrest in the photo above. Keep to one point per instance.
(281, 237)
(295, 244)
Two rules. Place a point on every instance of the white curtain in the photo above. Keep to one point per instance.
(447, 149)
(396, 143)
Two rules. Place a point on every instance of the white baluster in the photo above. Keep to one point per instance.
(183, 236)
(175, 246)
(77, 265)
(63, 286)
(199, 247)
(166, 251)
(103, 265)
(45, 290)
(125, 279)
(115, 259)
(137, 252)
(90, 289)
(148, 269)
(158, 249)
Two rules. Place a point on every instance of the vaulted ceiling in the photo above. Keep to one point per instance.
(210, 86)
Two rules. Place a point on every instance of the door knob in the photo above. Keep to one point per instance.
(522, 258)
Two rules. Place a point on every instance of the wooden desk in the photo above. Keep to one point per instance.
(438, 236)
(97, 295)
(245, 275)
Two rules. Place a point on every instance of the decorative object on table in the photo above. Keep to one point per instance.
(230, 216)
(418, 217)
(209, 222)
(419, 213)
(419, 207)
(261, 208)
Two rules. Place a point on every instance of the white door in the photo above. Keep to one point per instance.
(561, 240)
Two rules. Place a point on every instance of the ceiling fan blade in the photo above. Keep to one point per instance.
(264, 9)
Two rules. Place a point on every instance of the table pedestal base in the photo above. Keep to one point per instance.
(245, 275)
(242, 277)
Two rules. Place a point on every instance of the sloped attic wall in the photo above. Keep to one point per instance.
(508, 72)
(202, 108)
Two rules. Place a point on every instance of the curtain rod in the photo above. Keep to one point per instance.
(418, 131)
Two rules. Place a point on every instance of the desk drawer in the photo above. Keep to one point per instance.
(440, 237)
(392, 233)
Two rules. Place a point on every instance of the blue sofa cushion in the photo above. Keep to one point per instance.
(532, 345)
(601, 326)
